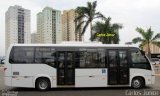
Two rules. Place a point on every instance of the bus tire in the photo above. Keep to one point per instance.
(43, 84)
(137, 83)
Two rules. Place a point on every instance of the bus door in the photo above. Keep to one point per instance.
(65, 68)
(118, 67)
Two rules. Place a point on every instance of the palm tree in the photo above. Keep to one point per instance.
(86, 15)
(147, 37)
(105, 28)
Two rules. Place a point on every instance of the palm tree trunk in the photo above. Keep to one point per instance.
(149, 51)
(91, 30)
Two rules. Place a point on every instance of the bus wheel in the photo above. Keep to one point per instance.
(137, 83)
(43, 84)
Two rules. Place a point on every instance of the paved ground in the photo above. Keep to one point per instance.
(125, 91)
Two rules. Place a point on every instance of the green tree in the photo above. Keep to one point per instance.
(105, 28)
(146, 38)
(86, 15)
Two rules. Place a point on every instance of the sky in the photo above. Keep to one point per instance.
(129, 13)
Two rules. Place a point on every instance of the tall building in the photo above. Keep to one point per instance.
(49, 26)
(17, 25)
(68, 26)
(34, 38)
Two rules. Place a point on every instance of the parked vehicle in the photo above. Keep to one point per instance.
(155, 61)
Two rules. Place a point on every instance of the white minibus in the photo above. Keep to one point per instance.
(45, 66)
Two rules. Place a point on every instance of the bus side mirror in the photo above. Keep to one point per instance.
(142, 52)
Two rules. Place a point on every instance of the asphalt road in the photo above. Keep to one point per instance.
(120, 91)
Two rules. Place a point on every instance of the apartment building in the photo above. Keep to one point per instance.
(17, 25)
(49, 26)
(68, 26)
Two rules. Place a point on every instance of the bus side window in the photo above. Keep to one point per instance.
(45, 56)
(92, 58)
(77, 59)
(101, 57)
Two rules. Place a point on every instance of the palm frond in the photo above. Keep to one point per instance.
(149, 34)
(141, 31)
(85, 27)
(156, 37)
(142, 44)
(108, 21)
(137, 39)
(115, 39)
(80, 17)
(94, 4)
(99, 15)
(89, 5)
(156, 43)
(97, 26)
(117, 26)
(79, 26)
(81, 10)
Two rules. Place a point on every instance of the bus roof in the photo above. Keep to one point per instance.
(78, 45)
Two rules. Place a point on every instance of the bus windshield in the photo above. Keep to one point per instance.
(139, 60)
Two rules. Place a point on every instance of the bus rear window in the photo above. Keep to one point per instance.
(22, 55)
(32, 55)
